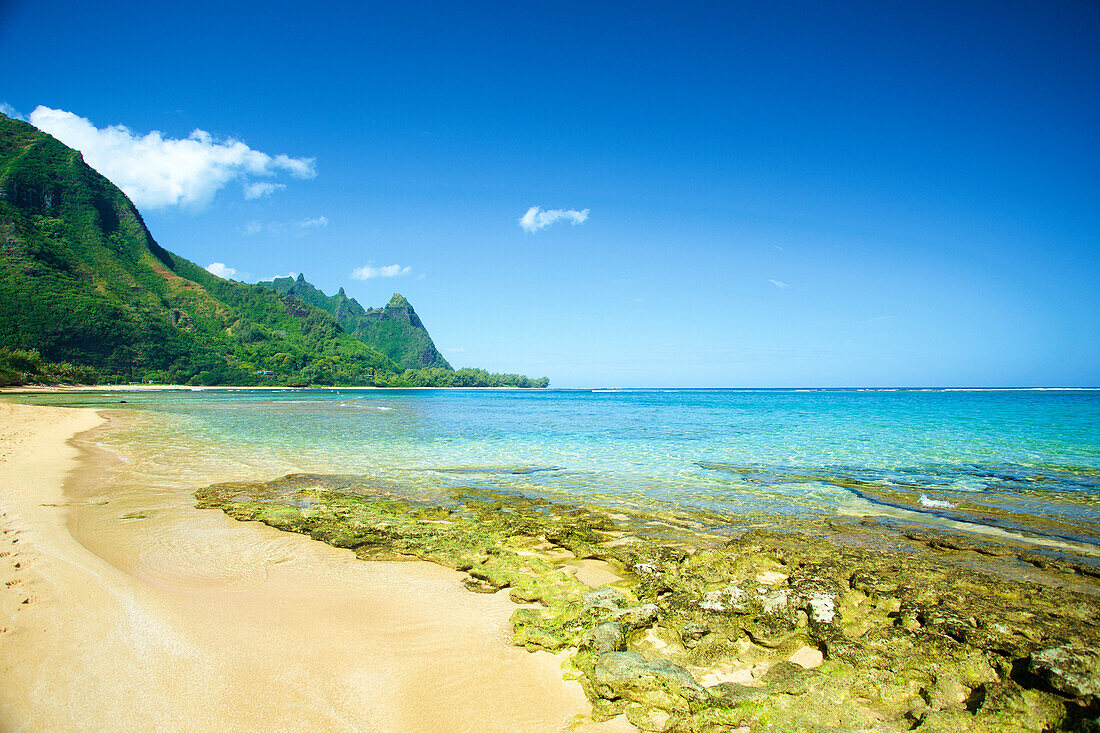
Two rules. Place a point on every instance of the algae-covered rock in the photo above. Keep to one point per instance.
(605, 637)
(707, 624)
(658, 684)
(1071, 669)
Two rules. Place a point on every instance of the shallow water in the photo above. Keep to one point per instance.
(1026, 462)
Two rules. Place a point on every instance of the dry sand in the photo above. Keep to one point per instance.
(188, 620)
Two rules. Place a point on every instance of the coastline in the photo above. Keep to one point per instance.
(676, 617)
(64, 388)
(236, 626)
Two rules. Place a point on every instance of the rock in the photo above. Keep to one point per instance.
(770, 577)
(871, 584)
(610, 598)
(647, 719)
(1070, 669)
(638, 617)
(658, 684)
(822, 607)
(692, 632)
(605, 637)
(776, 601)
(807, 657)
(722, 600)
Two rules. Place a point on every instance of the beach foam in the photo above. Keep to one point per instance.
(936, 503)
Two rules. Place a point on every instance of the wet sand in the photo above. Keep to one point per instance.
(118, 618)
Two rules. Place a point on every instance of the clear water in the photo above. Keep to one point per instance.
(1027, 461)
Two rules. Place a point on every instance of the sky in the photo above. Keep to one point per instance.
(699, 194)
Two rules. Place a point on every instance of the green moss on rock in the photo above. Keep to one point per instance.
(808, 626)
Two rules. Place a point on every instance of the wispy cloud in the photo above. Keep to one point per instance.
(10, 111)
(258, 189)
(779, 283)
(157, 171)
(291, 275)
(315, 223)
(536, 219)
(221, 270)
(366, 272)
(297, 228)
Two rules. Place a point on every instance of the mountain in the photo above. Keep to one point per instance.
(86, 293)
(395, 330)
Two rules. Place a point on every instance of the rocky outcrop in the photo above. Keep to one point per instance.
(799, 626)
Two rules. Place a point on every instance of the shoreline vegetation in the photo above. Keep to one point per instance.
(26, 367)
(687, 620)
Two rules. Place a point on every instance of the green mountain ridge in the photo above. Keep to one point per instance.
(395, 330)
(86, 293)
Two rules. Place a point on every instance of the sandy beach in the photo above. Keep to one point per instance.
(225, 625)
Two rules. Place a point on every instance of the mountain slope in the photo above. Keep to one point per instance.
(83, 281)
(395, 330)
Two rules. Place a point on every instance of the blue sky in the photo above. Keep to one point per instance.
(777, 193)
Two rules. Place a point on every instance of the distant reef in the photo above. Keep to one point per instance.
(87, 295)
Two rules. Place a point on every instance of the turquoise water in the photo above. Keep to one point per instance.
(1025, 461)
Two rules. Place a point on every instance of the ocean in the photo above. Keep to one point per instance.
(1022, 462)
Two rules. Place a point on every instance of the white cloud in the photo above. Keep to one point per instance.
(156, 171)
(221, 270)
(10, 111)
(536, 219)
(366, 272)
(291, 275)
(779, 283)
(298, 228)
(258, 189)
(320, 221)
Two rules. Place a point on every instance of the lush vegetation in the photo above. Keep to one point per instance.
(395, 330)
(436, 377)
(87, 291)
(18, 367)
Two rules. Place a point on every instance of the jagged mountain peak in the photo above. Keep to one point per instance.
(394, 330)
